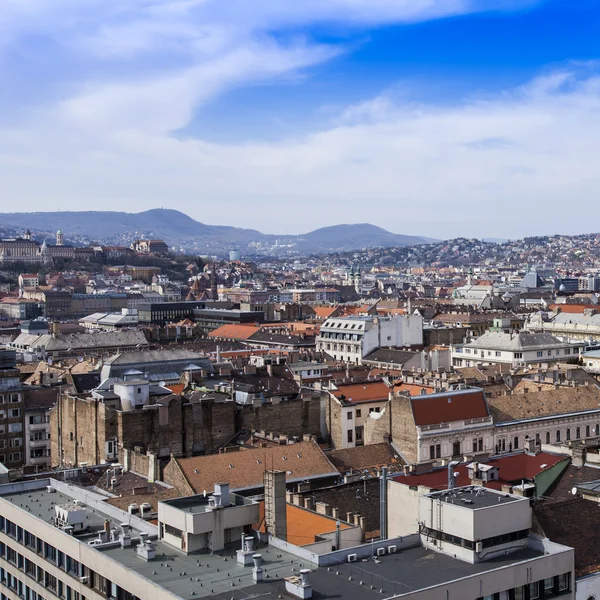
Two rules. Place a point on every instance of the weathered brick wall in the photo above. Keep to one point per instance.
(158, 428)
(138, 461)
(361, 498)
(333, 418)
(85, 425)
(173, 476)
(292, 417)
(403, 429)
(208, 425)
(377, 430)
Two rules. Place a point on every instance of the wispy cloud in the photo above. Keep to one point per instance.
(146, 66)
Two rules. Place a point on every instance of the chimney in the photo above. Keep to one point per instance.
(275, 504)
(222, 489)
(257, 572)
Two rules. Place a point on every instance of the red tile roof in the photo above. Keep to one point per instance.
(324, 312)
(430, 409)
(234, 332)
(511, 468)
(577, 309)
(367, 391)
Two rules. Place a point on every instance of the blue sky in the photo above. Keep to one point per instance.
(442, 118)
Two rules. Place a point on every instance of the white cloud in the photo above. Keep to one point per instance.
(518, 162)
(413, 168)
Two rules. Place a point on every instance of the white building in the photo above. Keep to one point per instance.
(514, 349)
(349, 339)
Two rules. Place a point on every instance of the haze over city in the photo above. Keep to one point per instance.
(438, 118)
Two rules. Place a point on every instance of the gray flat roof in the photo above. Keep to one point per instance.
(41, 505)
(219, 575)
(205, 574)
(473, 497)
(407, 571)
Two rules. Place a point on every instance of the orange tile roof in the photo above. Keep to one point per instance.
(368, 391)
(303, 525)
(176, 388)
(574, 309)
(234, 332)
(413, 389)
(324, 312)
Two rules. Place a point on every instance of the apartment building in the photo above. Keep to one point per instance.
(37, 403)
(348, 406)
(498, 347)
(349, 339)
(11, 412)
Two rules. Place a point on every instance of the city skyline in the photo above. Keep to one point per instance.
(350, 111)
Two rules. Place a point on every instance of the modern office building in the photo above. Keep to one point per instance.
(61, 541)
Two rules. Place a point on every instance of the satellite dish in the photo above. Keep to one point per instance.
(574, 491)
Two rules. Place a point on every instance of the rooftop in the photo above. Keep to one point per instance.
(446, 407)
(474, 497)
(413, 569)
(564, 399)
(364, 457)
(245, 469)
(368, 391)
(518, 342)
(511, 468)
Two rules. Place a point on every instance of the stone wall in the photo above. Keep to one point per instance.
(333, 418)
(85, 426)
(173, 427)
(291, 418)
(403, 429)
(173, 476)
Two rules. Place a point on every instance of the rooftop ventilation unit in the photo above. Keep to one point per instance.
(380, 551)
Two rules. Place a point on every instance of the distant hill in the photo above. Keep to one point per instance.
(360, 235)
(179, 230)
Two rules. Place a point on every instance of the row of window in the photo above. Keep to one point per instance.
(514, 445)
(358, 412)
(545, 588)
(490, 542)
(13, 457)
(435, 450)
(11, 443)
(12, 413)
(9, 398)
(59, 559)
(341, 348)
(54, 585)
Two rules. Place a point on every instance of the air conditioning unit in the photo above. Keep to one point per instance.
(380, 551)
(352, 557)
(84, 579)
(392, 549)
(478, 546)
(50, 489)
